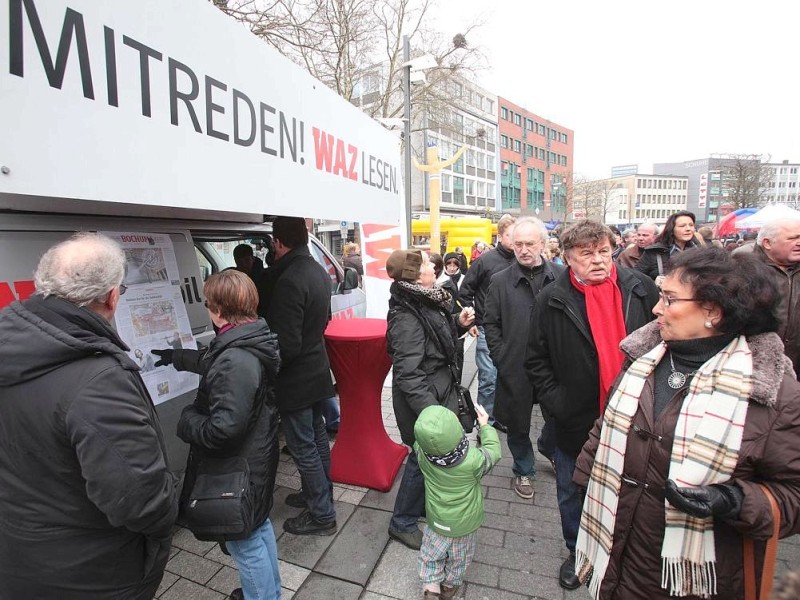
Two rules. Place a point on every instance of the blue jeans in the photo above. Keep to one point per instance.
(522, 452)
(487, 374)
(257, 561)
(546, 444)
(330, 412)
(308, 444)
(410, 502)
(569, 498)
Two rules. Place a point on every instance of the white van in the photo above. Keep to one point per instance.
(197, 244)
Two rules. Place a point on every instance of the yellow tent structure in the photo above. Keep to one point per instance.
(455, 232)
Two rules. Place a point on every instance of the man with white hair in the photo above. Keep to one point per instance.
(86, 498)
(778, 246)
(646, 235)
(506, 321)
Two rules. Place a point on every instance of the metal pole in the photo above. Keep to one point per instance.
(407, 133)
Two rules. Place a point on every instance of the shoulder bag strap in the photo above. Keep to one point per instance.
(770, 554)
(660, 264)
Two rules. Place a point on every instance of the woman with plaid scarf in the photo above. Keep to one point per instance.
(706, 408)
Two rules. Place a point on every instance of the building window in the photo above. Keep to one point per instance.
(541, 153)
(564, 138)
(517, 146)
(458, 190)
(503, 141)
(482, 189)
(529, 124)
(480, 159)
(504, 113)
(541, 129)
(529, 150)
(489, 105)
(470, 157)
(447, 182)
(517, 119)
(458, 89)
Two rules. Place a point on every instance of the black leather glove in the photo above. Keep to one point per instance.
(721, 501)
(164, 357)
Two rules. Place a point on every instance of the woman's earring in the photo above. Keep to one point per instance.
(709, 325)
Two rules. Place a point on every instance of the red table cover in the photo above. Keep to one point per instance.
(363, 453)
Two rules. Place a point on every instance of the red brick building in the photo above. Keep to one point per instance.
(535, 163)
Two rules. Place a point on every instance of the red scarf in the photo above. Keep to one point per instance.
(604, 309)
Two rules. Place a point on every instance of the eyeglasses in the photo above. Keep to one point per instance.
(667, 300)
(122, 288)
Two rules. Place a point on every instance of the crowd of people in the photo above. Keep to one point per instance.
(665, 367)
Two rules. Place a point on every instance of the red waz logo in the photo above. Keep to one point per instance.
(23, 291)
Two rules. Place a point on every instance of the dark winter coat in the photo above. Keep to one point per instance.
(297, 301)
(237, 373)
(770, 452)
(561, 360)
(87, 502)
(648, 262)
(507, 323)
(421, 357)
(354, 261)
(788, 309)
(479, 277)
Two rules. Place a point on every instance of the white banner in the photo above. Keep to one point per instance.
(172, 103)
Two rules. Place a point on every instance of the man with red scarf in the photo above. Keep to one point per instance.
(573, 353)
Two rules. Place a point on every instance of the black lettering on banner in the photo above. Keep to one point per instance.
(266, 108)
(145, 54)
(111, 67)
(187, 97)
(212, 108)
(237, 139)
(73, 22)
(290, 137)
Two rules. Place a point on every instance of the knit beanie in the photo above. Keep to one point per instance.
(452, 256)
(404, 265)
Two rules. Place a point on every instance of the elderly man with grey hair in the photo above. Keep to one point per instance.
(86, 498)
(778, 246)
(507, 321)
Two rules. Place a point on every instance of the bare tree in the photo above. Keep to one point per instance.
(744, 179)
(347, 44)
(595, 199)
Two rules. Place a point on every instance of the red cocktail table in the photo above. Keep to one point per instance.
(363, 453)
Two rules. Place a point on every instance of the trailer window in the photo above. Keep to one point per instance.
(327, 264)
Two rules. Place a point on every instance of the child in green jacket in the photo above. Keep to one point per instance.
(453, 495)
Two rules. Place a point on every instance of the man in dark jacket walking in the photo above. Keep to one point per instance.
(573, 353)
(87, 503)
(473, 293)
(297, 299)
(506, 322)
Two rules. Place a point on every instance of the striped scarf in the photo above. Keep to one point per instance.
(705, 451)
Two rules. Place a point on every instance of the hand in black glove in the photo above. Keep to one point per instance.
(721, 501)
(164, 357)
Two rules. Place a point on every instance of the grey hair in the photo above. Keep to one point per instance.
(771, 228)
(541, 229)
(82, 269)
(650, 224)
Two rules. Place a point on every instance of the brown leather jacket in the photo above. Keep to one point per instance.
(630, 257)
(788, 311)
(770, 452)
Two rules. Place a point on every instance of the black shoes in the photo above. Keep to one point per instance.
(410, 539)
(567, 578)
(305, 524)
(296, 500)
(237, 594)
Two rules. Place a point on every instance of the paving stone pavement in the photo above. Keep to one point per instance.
(519, 546)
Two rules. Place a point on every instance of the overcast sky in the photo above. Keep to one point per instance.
(646, 81)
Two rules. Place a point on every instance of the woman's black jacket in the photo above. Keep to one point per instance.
(237, 371)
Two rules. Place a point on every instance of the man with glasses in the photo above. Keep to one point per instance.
(86, 498)
(506, 321)
(573, 353)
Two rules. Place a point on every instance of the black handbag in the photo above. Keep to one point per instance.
(218, 507)
(467, 415)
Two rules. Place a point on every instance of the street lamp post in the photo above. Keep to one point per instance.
(407, 133)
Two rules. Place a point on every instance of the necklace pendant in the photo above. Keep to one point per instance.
(676, 380)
